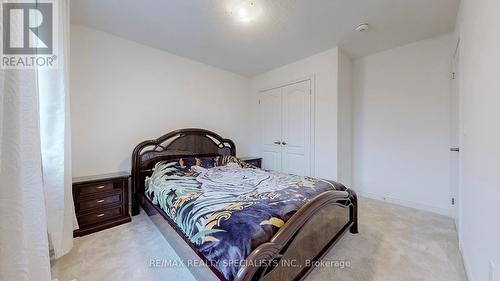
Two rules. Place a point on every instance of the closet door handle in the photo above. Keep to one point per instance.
(283, 143)
(277, 142)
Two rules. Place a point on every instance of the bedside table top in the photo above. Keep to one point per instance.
(247, 158)
(101, 177)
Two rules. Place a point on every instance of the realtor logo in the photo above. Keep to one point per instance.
(28, 28)
(28, 34)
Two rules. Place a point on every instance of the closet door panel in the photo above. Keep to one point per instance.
(271, 120)
(296, 140)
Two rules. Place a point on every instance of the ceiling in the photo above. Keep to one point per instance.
(286, 31)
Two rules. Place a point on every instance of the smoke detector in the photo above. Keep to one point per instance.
(362, 27)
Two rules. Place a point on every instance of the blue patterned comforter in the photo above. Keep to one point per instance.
(226, 207)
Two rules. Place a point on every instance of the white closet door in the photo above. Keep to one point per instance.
(271, 119)
(296, 136)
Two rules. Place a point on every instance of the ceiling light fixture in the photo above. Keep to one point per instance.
(245, 10)
(363, 27)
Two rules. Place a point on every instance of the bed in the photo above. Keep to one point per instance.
(243, 223)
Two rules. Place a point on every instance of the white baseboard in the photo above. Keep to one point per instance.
(465, 260)
(407, 203)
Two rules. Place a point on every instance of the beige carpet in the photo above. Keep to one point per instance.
(394, 244)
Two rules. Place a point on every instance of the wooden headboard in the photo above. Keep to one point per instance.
(174, 145)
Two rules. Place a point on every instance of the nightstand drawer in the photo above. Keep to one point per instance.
(95, 188)
(100, 202)
(100, 216)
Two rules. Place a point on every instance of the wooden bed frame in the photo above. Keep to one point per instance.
(291, 253)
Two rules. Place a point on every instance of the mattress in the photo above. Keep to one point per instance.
(225, 207)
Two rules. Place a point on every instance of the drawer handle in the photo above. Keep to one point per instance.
(100, 201)
(100, 215)
(100, 187)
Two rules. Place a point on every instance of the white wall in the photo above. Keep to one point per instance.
(124, 92)
(324, 68)
(479, 74)
(402, 124)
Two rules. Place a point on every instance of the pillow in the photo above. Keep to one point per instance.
(224, 160)
(205, 162)
(186, 163)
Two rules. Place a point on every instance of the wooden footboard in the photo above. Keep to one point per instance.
(304, 239)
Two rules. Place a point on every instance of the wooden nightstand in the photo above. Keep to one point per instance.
(100, 202)
(256, 161)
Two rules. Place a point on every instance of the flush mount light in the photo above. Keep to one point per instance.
(245, 10)
(362, 27)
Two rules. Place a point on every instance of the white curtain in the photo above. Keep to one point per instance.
(55, 133)
(35, 165)
(24, 251)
